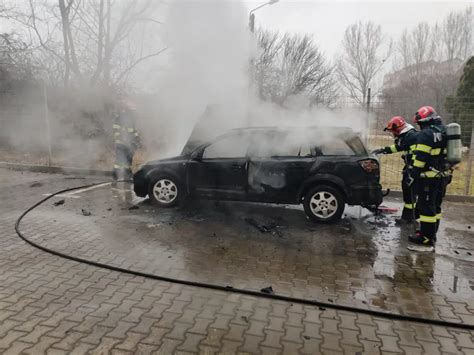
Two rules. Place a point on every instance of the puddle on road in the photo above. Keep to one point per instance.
(446, 271)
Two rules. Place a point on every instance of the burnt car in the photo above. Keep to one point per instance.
(322, 168)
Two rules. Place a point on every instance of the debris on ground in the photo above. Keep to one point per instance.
(268, 290)
(85, 212)
(134, 207)
(109, 209)
(306, 337)
(59, 203)
(245, 319)
(271, 227)
(379, 222)
(346, 226)
(36, 184)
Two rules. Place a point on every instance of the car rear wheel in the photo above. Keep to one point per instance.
(324, 204)
(165, 191)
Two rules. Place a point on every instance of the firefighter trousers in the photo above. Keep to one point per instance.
(409, 198)
(123, 162)
(430, 198)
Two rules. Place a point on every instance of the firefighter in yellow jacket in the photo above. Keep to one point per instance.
(429, 169)
(126, 140)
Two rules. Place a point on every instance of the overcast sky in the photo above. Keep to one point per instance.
(327, 20)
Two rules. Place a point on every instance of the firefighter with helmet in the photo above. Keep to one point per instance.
(405, 141)
(430, 172)
(127, 140)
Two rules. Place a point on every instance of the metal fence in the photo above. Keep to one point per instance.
(391, 165)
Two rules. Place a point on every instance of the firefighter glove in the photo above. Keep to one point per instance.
(378, 151)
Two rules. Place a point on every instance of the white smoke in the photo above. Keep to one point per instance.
(207, 70)
(205, 77)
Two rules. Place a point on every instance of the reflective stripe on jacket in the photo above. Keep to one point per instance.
(429, 155)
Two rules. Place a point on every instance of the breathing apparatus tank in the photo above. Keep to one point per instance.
(454, 145)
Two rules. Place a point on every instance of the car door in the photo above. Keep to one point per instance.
(221, 169)
(278, 165)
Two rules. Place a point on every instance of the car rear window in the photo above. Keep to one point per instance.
(341, 146)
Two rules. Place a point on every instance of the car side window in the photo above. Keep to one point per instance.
(337, 146)
(227, 147)
(278, 145)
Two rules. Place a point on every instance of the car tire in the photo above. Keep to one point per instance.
(324, 204)
(165, 191)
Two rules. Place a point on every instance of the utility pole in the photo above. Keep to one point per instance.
(46, 122)
(367, 123)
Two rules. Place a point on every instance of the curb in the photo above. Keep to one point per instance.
(55, 169)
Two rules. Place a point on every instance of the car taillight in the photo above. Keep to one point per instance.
(370, 166)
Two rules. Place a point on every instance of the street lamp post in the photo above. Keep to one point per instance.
(252, 60)
(252, 15)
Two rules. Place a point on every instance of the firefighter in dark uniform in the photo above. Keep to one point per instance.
(405, 141)
(430, 172)
(127, 141)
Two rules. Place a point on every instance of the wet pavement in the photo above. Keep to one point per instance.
(361, 261)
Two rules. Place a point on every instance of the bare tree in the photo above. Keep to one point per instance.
(15, 60)
(456, 35)
(363, 56)
(291, 65)
(430, 59)
(416, 46)
(89, 39)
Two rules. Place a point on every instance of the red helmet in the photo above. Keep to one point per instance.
(396, 125)
(424, 114)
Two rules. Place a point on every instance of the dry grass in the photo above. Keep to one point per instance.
(392, 165)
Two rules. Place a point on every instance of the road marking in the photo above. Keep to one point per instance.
(72, 193)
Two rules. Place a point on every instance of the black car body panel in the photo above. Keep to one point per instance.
(258, 177)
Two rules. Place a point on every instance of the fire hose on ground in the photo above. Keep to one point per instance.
(254, 293)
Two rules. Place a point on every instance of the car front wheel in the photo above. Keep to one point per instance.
(324, 204)
(165, 191)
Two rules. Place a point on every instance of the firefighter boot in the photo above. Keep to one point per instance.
(420, 239)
